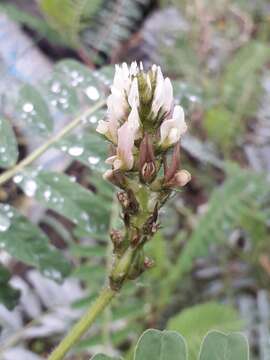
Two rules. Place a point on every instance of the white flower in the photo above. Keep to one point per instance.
(124, 94)
(133, 95)
(127, 134)
(122, 78)
(172, 129)
(133, 68)
(163, 96)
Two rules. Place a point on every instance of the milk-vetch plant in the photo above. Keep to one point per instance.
(143, 127)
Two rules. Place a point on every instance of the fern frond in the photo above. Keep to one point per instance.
(233, 205)
(37, 24)
(114, 24)
(67, 16)
(240, 86)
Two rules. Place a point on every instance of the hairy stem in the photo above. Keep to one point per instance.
(40, 150)
(83, 324)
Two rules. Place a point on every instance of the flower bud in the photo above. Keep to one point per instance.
(116, 177)
(163, 95)
(117, 238)
(180, 179)
(170, 171)
(148, 263)
(123, 199)
(172, 129)
(147, 160)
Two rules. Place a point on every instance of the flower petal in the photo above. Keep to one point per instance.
(134, 119)
(133, 69)
(168, 95)
(103, 127)
(126, 137)
(133, 96)
(172, 129)
(158, 99)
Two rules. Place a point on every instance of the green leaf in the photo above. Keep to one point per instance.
(34, 22)
(8, 295)
(241, 195)
(90, 85)
(61, 96)
(194, 322)
(27, 243)
(187, 95)
(93, 274)
(240, 81)
(88, 250)
(160, 345)
(8, 145)
(104, 357)
(33, 110)
(68, 17)
(62, 194)
(219, 346)
(87, 147)
(221, 127)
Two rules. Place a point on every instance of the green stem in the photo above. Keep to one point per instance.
(83, 324)
(40, 150)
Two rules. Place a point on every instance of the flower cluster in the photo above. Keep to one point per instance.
(140, 103)
(144, 127)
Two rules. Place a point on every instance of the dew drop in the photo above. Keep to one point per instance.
(62, 100)
(53, 274)
(93, 160)
(64, 148)
(93, 119)
(75, 151)
(4, 223)
(193, 98)
(92, 93)
(47, 194)
(74, 74)
(85, 216)
(10, 214)
(28, 107)
(30, 187)
(56, 87)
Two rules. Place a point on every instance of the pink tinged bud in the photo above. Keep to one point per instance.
(102, 127)
(115, 177)
(182, 177)
(126, 136)
(170, 170)
(147, 160)
(172, 129)
(148, 263)
(108, 175)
